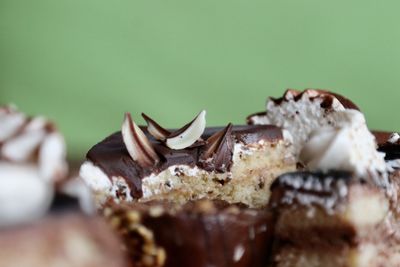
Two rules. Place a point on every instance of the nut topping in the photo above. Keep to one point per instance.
(188, 134)
(155, 129)
(137, 144)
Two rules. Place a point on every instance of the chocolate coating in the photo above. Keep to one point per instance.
(113, 158)
(198, 234)
(392, 150)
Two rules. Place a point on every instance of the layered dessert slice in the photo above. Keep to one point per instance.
(232, 163)
(342, 210)
(196, 234)
(333, 219)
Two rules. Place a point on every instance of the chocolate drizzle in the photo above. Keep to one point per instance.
(113, 158)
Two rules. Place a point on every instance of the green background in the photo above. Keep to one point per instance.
(84, 63)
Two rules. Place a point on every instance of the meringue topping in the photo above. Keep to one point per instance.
(347, 146)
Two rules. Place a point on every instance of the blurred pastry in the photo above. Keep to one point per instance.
(32, 161)
(42, 220)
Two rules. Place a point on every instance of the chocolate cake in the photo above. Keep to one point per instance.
(196, 234)
(201, 196)
(232, 163)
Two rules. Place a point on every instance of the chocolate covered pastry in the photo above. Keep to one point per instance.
(173, 194)
(197, 234)
(232, 163)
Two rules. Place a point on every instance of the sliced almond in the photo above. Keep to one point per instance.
(137, 144)
(188, 134)
(155, 129)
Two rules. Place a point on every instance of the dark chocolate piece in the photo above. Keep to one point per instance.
(392, 150)
(217, 154)
(113, 158)
(198, 234)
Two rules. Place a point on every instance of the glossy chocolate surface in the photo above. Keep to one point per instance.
(199, 234)
(113, 158)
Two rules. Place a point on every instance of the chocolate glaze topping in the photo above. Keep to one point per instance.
(113, 158)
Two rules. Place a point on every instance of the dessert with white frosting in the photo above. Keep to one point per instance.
(32, 161)
(232, 163)
(41, 209)
(301, 112)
